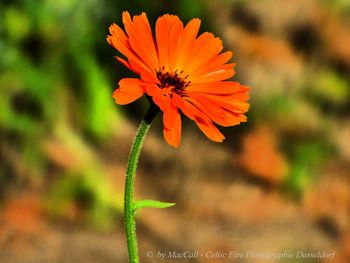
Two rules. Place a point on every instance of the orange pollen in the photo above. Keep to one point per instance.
(174, 80)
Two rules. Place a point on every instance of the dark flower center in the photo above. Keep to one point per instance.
(175, 80)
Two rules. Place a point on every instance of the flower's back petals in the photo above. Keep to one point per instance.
(187, 40)
(147, 41)
(125, 63)
(173, 136)
(157, 96)
(177, 101)
(169, 115)
(138, 42)
(119, 41)
(160, 101)
(174, 44)
(131, 65)
(141, 21)
(117, 32)
(220, 88)
(128, 91)
(206, 52)
(210, 130)
(137, 66)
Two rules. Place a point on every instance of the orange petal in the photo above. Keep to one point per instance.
(174, 47)
(120, 41)
(153, 90)
(149, 77)
(219, 88)
(217, 114)
(157, 96)
(221, 58)
(191, 111)
(160, 101)
(202, 120)
(126, 64)
(204, 52)
(241, 96)
(234, 118)
(187, 40)
(219, 73)
(169, 115)
(128, 91)
(117, 33)
(210, 130)
(224, 112)
(172, 136)
(146, 36)
(224, 118)
(202, 40)
(164, 25)
(215, 62)
(206, 105)
(229, 103)
(162, 33)
(214, 112)
(141, 40)
(177, 101)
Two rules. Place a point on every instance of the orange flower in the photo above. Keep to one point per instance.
(180, 72)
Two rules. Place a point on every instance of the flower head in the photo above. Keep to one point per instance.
(180, 72)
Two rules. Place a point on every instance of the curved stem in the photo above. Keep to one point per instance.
(129, 215)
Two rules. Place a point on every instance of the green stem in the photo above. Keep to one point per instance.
(129, 212)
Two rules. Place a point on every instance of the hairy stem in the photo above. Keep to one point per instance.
(129, 214)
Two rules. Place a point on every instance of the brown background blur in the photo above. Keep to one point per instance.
(278, 183)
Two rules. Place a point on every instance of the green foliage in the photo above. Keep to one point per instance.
(305, 131)
(97, 107)
(88, 192)
(16, 24)
(330, 87)
(190, 9)
(341, 7)
(306, 158)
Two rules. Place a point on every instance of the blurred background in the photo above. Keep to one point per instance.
(280, 182)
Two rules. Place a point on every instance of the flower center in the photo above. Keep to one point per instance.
(175, 81)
